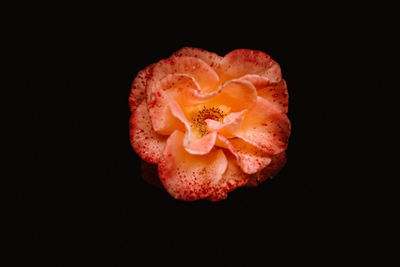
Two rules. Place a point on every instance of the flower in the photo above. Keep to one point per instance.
(210, 124)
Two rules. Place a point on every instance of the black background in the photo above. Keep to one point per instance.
(73, 193)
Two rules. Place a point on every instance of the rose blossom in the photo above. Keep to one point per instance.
(210, 124)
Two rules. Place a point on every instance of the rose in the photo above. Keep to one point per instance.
(210, 124)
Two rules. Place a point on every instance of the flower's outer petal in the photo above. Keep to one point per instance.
(145, 141)
(229, 124)
(265, 127)
(244, 61)
(138, 90)
(204, 75)
(186, 176)
(232, 178)
(277, 163)
(210, 58)
(237, 94)
(274, 92)
(191, 143)
(150, 173)
(249, 158)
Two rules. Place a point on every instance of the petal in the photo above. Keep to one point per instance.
(277, 163)
(138, 89)
(191, 142)
(184, 89)
(229, 124)
(186, 176)
(180, 87)
(210, 58)
(244, 61)
(249, 158)
(265, 127)
(274, 92)
(200, 146)
(237, 94)
(205, 76)
(150, 173)
(145, 141)
(232, 178)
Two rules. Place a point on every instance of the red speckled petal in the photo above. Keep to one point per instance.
(229, 124)
(204, 75)
(277, 163)
(191, 143)
(244, 61)
(249, 158)
(186, 176)
(265, 127)
(232, 178)
(145, 141)
(138, 90)
(274, 92)
(236, 94)
(210, 58)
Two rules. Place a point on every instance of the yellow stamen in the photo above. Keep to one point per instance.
(212, 113)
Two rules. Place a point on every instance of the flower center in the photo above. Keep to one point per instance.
(212, 113)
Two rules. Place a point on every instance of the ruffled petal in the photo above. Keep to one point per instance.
(236, 94)
(186, 176)
(182, 88)
(232, 178)
(277, 163)
(179, 87)
(138, 90)
(249, 158)
(265, 127)
(244, 61)
(274, 92)
(192, 143)
(205, 76)
(229, 124)
(145, 141)
(210, 58)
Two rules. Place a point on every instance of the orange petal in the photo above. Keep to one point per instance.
(210, 58)
(205, 76)
(191, 143)
(138, 89)
(229, 124)
(145, 141)
(244, 61)
(277, 163)
(249, 158)
(236, 94)
(274, 92)
(232, 178)
(265, 127)
(186, 176)
(180, 87)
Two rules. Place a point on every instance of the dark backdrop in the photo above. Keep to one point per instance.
(74, 188)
